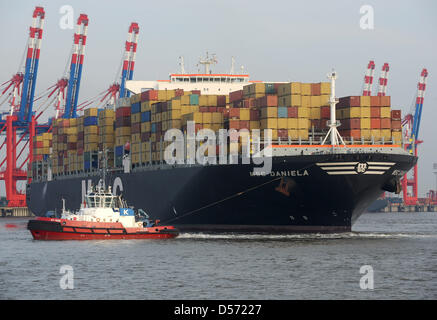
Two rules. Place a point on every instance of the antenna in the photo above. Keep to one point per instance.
(232, 65)
(207, 62)
(181, 63)
(333, 124)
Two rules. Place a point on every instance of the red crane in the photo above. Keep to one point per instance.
(411, 126)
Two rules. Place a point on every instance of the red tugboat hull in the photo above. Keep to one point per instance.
(61, 229)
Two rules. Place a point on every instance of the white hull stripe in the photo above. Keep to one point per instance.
(338, 168)
(341, 172)
(337, 164)
(382, 163)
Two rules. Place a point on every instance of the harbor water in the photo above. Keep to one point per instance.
(399, 251)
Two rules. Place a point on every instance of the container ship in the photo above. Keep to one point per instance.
(314, 185)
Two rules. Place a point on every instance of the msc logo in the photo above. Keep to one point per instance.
(361, 167)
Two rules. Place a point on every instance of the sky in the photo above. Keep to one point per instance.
(274, 41)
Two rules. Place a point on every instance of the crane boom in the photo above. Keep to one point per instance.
(368, 79)
(31, 68)
(383, 80)
(129, 61)
(76, 66)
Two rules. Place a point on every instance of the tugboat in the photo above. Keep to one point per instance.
(102, 216)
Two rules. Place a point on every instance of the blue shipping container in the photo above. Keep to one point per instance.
(194, 99)
(119, 150)
(90, 121)
(145, 116)
(282, 112)
(153, 128)
(136, 107)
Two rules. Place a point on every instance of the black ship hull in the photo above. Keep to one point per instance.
(308, 193)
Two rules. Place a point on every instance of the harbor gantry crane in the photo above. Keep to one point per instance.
(66, 103)
(411, 126)
(19, 124)
(383, 78)
(368, 79)
(118, 89)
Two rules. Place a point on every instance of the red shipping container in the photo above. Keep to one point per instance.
(250, 103)
(244, 124)
(198, 127)
(234, 124)
(203, 109)
(212, 109)
(396, 114)
(375, 112)
(236, 96)
(221, 109)
(375, 101)
(179, 92)
(385, 123)
(195, 92)
(150, 95)
(316, 89)
(385, 101)
(375, 123)
(355, 134)
(80, 151)
(234, 113)
(123, 122)
(325, 112)
(268, 101)
(221, 101)
(316, 123)
(122, 112)
(351, 101)
(80, 135)
(71, 146)
(396, 124)
(292, 112)
(351, 124)
(283, 134)
(254, 114)
(136, 128)
(224, 111)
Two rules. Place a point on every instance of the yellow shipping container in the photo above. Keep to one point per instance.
(365, 123)
(91, 130)
(306, 101)
(107, 138)
(122, 131)
(290, 101)
(386, 135)
(324, 100)
(174, 114)
(282, 123)
(108, 121)
(254, 125)
(315, 113)
(376, 134)
(397, 137)
(106, 130)
(289, 89)
(135, 118)
(91, 147)
(303, 112)
(136, 137)
(268, 112)
(203, 101)
(207, 117)
(174, 104)
(365, 112)
(352, 112)
(292, 123)
(91, 139)
(71, 139)
(245, 114)
(305, 89)
(174, 124)
(135, 98)
(217, 117)
(269, 123)
(303, 123)
(293, 134)
(325, 88)
(164, 116)
(90, 112)
(366, 133)
(385, 112)
(145, 127)
(185, 99)
(303, 134)
(315, 101)
(212, 100)
(365, 101)
(122, 140)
